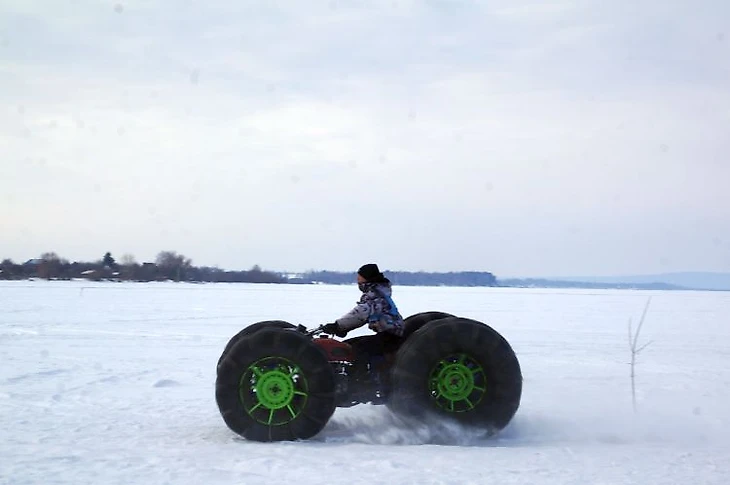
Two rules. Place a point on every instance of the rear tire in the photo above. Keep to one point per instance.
(457, 368)
(418, 320)
(275, 385)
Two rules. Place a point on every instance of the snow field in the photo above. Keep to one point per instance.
(114, 383)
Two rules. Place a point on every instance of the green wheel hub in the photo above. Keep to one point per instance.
(273, 391)
(457, 383)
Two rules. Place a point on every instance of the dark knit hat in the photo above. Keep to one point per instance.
(371, 272)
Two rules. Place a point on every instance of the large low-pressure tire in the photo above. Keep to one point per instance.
(418, 320)
(457, 368)
(254, 327)
(275, 385)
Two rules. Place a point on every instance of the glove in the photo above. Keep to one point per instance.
(334, 329)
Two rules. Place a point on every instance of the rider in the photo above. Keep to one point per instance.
(377, 309)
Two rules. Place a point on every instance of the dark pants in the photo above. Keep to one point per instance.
(377, 350)
(379, 344)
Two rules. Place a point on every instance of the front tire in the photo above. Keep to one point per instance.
(275, 385)
(253, 328)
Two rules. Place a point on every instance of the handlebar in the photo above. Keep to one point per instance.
(312, 332)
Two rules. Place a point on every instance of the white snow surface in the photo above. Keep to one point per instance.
(113, 383)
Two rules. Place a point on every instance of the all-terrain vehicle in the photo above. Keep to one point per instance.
(278, 381)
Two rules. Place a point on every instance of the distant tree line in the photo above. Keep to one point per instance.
(464, 278)
(172, 266)
(168, 265)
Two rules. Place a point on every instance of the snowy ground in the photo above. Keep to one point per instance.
(113, 383)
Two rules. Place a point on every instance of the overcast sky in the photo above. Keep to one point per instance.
(524, 138)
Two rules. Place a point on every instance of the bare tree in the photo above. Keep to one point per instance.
(635, 350)
(50, 266)
(173, 265)
(171, 259)
(128, 260)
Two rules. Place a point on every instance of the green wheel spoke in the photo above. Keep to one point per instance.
(300, 393)
(291, 411)
(451, 405)
(256, 371)
(271, 417)
(468, 403)
(258, 405)
(481, 389)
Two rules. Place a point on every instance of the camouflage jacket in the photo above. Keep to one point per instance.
(375, 310)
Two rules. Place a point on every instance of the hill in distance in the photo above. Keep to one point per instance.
(696, 280)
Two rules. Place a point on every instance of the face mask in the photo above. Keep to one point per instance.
(362, 286)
